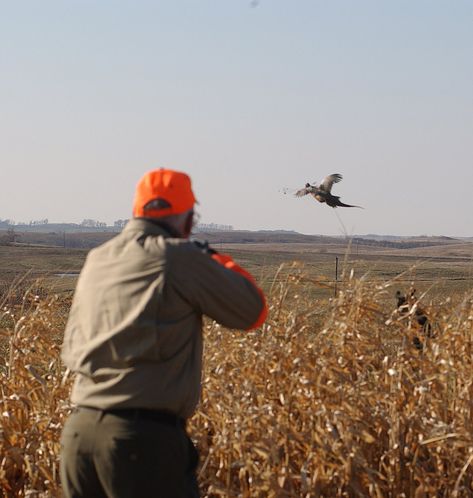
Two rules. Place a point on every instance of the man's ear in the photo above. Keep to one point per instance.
(188, 223)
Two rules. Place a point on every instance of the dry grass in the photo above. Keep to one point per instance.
(330, 399)
(33, 400)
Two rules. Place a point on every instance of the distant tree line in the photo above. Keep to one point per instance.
(39, 222)
(213, 227)
(89, 223)
(6, 223)
(9, 223)
(100, 224)
(397, 244)
(117, 224)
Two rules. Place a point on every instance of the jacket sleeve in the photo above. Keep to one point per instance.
(217, 287)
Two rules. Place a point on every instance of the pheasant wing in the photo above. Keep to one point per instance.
(303, 191)
(328, 181)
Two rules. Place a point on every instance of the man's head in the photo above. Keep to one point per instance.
(166, 195)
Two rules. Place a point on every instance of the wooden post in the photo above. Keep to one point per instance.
(336, 274)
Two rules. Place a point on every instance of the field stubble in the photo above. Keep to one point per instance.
(328, 399)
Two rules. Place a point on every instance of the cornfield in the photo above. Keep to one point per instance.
(331, 398)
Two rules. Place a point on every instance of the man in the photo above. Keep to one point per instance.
(134, 339)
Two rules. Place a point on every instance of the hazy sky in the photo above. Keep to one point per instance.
(246, 99)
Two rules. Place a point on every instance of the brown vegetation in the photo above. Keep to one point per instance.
(329, 399)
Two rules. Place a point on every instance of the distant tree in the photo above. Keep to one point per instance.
(89, 223)
(9, 238)
(12, 235)
(39, 222)
(120, 223)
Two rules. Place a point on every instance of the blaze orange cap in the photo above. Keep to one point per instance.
(162, 192)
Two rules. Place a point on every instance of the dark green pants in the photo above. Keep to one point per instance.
(107, 455)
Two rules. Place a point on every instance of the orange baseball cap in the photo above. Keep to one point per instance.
(162, 192)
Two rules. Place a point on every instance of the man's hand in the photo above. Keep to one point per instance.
(204, 246)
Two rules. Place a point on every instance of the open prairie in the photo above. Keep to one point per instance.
(441, 268)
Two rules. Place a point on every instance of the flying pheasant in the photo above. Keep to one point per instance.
(322, 191)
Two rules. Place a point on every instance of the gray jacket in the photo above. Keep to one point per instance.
(134, 330)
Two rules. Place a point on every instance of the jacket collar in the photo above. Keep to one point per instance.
(151, 227)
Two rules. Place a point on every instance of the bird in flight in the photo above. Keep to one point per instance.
(322, 191)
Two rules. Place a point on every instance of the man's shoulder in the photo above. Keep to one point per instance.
(182, 247)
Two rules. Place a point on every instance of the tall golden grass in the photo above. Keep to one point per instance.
(329, 399)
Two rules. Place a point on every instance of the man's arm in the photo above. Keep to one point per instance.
(227, 262)
(219, 288)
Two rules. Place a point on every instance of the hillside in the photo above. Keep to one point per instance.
(75, 236)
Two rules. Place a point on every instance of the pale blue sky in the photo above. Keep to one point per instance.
(247, 101)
